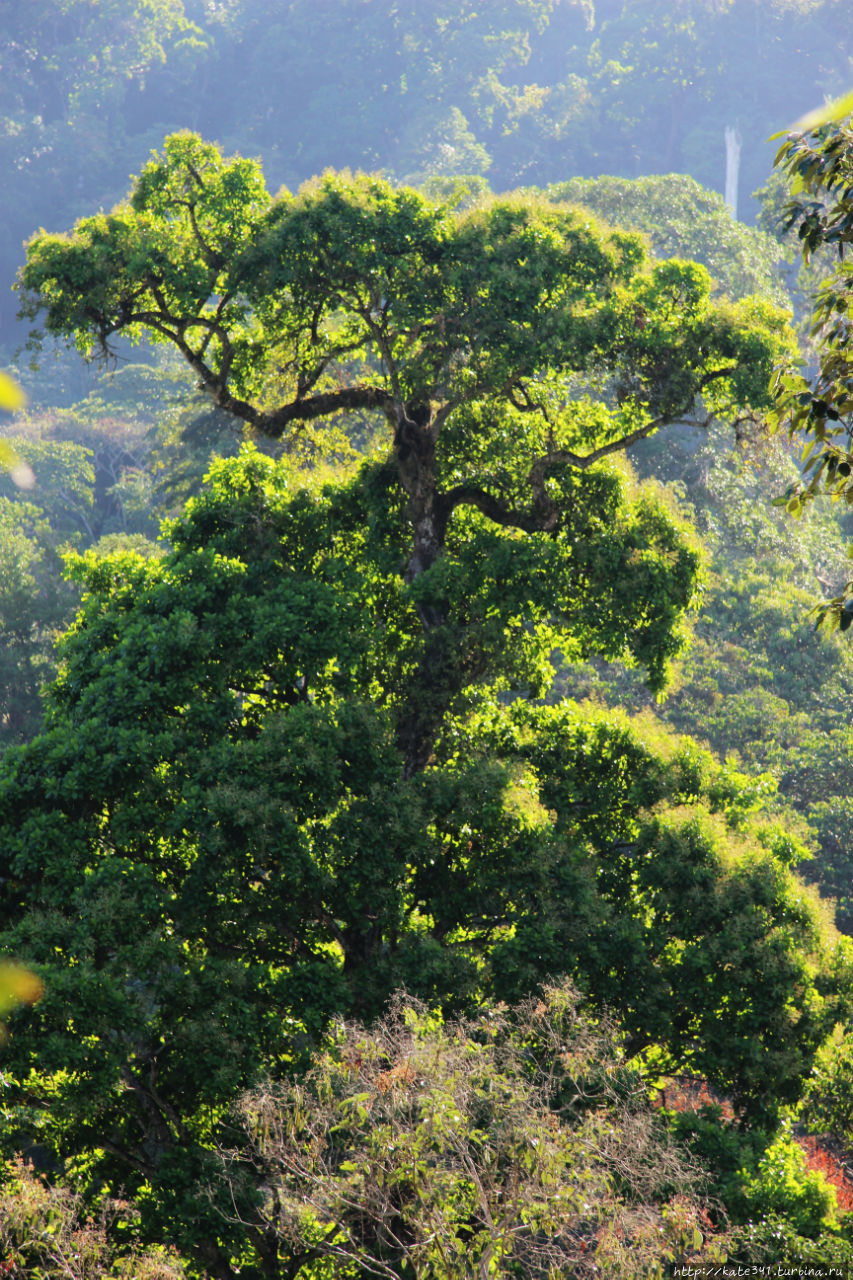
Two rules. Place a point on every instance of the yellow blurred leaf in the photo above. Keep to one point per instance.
(11, 395)
(21, 472)
(830, 112)
(18, 986)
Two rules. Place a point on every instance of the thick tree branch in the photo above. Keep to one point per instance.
(496, 509)
(215, 329)
(276, 422)
(582, 461)
(273, 423)
(211, 382)
(544, 516)
(212, 258)
(526, 404)
(143, 1166)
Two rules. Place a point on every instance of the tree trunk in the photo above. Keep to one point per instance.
(438, 676)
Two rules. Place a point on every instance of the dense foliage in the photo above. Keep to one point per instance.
(395, 699)
(684, 220)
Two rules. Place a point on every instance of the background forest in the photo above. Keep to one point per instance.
(446, 629)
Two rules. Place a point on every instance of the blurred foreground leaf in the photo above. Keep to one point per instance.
(12, 397)
(828, 113)
(17, 986)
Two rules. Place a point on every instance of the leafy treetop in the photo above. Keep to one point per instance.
(685, 220)
(358, 295)
(507, 347)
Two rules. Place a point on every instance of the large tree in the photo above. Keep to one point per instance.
(509, 349)
(282, 771)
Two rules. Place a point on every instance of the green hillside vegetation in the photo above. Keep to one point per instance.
(527, 92)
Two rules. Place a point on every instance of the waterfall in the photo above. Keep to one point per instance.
(733, 145)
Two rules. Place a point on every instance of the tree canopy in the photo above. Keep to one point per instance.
(315, 745)
(684, 220)
(527, 91)
(508, 348)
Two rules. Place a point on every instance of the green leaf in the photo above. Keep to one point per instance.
(830, 113)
